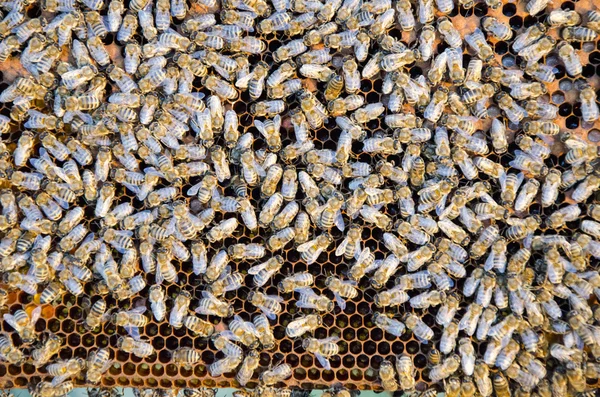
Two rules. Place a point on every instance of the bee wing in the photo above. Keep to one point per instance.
(10, 319)
(314, 258)
(439, 208)
(305, 290)
(243, 81)
(303, 305)
(270, 315)
(342, 247)
(339, 221)
(134, 332)
(153, 171)
(35, 314)
(229, 335)
(208, 295)
(340, 301)
(226, 272)
(138, 310)
(57, 380)
(159, 276)
(276, 298)
(372, 191)
(172, 226)
(260, 127)
(256, 269)
(128, 233)
(359, 250)
(332, 339)
(304, 247)
(324, 361)
(194, 189)
(277, 123)
(197, 95)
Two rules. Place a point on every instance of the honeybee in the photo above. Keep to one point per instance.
(265, 332)
(225, 365)
(390, 325)
(180, 309)
(418, 327)
(277, 374)
(247, 368)
(24, 323)
(323, 349)
(98, 362)
(9, 353)
(137, 347)
(387, 374)
(42, 355)
(303, 325)
(446, 368)
(131, 320)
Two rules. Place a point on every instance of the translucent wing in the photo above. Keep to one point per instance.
(270, 315)
(277, 123)
(243, 81)
(341, 248)
(260, 127)
(304, 247)
(256, 269)
(229, 335)
(276, 298)
(10, 319)
(134, 332)
(359, 250)
(138, 310)
(324, 361)
(339, 221)
(314, 258)
(303, 305)
(208, 295)
(194, 189)
(35, 314)
(159, 276)
(306, 291)
(153, 171)
(340, 301)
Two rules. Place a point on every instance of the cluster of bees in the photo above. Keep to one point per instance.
(118, 168)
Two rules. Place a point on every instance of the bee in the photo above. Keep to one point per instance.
(225, 365)
(341, 289)
(276, 374)
(387, 374)
(345, 39)
(222, 230)
(210, 305)
(296, 281)
(247, 368)
(418, 327)
(97, 314)
(180, 308)
(131, 320)
(323, 349)
(390, 325)
(270, 305)
(578, 33)
(198, 326)
(265, 333)
(136, 347)
(497, 29)
(303, 325)
(237, 251)
(589, 108)
(311, 250)
(9, 353)
(447, 368)
(24, 323)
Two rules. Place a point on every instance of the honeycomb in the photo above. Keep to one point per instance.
(363, 346)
